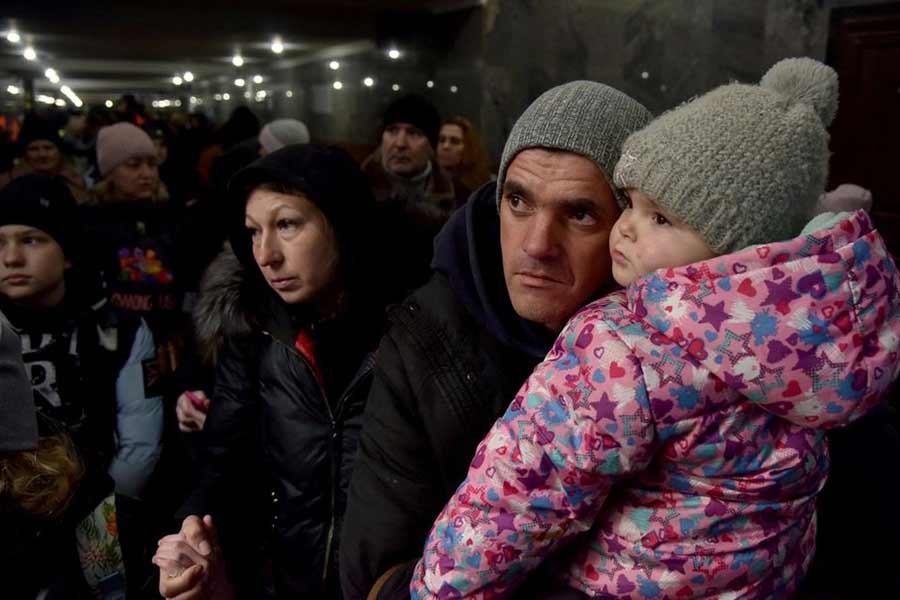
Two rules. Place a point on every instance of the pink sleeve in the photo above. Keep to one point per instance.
(543, 472)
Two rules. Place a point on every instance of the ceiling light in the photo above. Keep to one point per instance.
(277, 46)
(188, 76)
(226, 96)
(108, 104)
(257, 79)
(337, 85)
(289, 94)
(429, 84)
(51, 75)
(396, 87)
(237, 60)
(13, 37)
(12, 89)
(177, 80)
(46, 99)
(218, 97)
(178, 103)
(453, 89)
(334, 65)
(29, 53)
(394, 54)
(60, 102)
(262, 94)
(247, 95)
(239, 82)
(368, 82)
(67, 91)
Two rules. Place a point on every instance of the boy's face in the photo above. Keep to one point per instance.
(32, 267)
(647, 238)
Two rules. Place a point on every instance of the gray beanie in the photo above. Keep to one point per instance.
(742, 164)
(18, 420)
(283, 132)
(584, 117)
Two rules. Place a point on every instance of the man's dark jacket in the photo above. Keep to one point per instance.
(454, 357)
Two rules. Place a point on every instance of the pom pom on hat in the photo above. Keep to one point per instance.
(808, 81)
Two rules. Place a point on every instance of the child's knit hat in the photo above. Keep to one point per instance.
(742, 164)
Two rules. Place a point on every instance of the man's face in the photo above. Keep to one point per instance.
(556, 213)
(405, 150)
(32, 267)
(42, 156)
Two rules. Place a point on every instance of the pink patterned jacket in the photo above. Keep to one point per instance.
(679, 425)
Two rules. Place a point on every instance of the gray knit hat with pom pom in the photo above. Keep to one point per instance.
(742, 164)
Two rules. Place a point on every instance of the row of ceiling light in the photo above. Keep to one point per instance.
(31, 55)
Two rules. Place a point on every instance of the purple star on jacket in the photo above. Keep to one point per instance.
(780, 292)
(504, 521)
(605, 408)
(715, 314)
(807, 361)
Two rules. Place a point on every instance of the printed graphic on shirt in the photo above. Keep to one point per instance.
(49, 362)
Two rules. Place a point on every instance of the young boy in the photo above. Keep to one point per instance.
(681, 421)
(89, 369)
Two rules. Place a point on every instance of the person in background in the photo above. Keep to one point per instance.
(461, 153)
(280, 133)
(402, 170)
(235, 147)
(78, 139)
(38, 479)
(415, 196)
(41, 152)
(129, 166)
(90, 367)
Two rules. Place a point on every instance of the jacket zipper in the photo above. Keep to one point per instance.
(334, 467)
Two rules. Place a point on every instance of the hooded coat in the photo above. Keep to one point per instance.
(455, 353)
(682, 423)
(283, 411)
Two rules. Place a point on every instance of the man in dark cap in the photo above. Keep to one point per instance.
(402, 169)
(414, 195)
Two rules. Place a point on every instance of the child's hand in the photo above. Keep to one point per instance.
(190, 409)
(190, 563)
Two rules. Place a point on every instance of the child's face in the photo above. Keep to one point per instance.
(32, 267)
(647, 238)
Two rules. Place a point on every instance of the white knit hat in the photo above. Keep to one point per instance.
(283, 132)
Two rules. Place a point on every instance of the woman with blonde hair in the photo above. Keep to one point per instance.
(461, 153)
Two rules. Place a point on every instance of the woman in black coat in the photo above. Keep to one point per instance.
(297, 320)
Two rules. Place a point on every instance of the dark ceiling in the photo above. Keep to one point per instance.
(102, 48)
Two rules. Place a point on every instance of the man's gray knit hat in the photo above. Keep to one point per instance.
(584, 117)
(742, 164)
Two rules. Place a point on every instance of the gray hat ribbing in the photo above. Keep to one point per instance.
(18, 420)
(584, 117)
(742, 164)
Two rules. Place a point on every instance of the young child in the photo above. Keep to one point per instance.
(681, 422)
